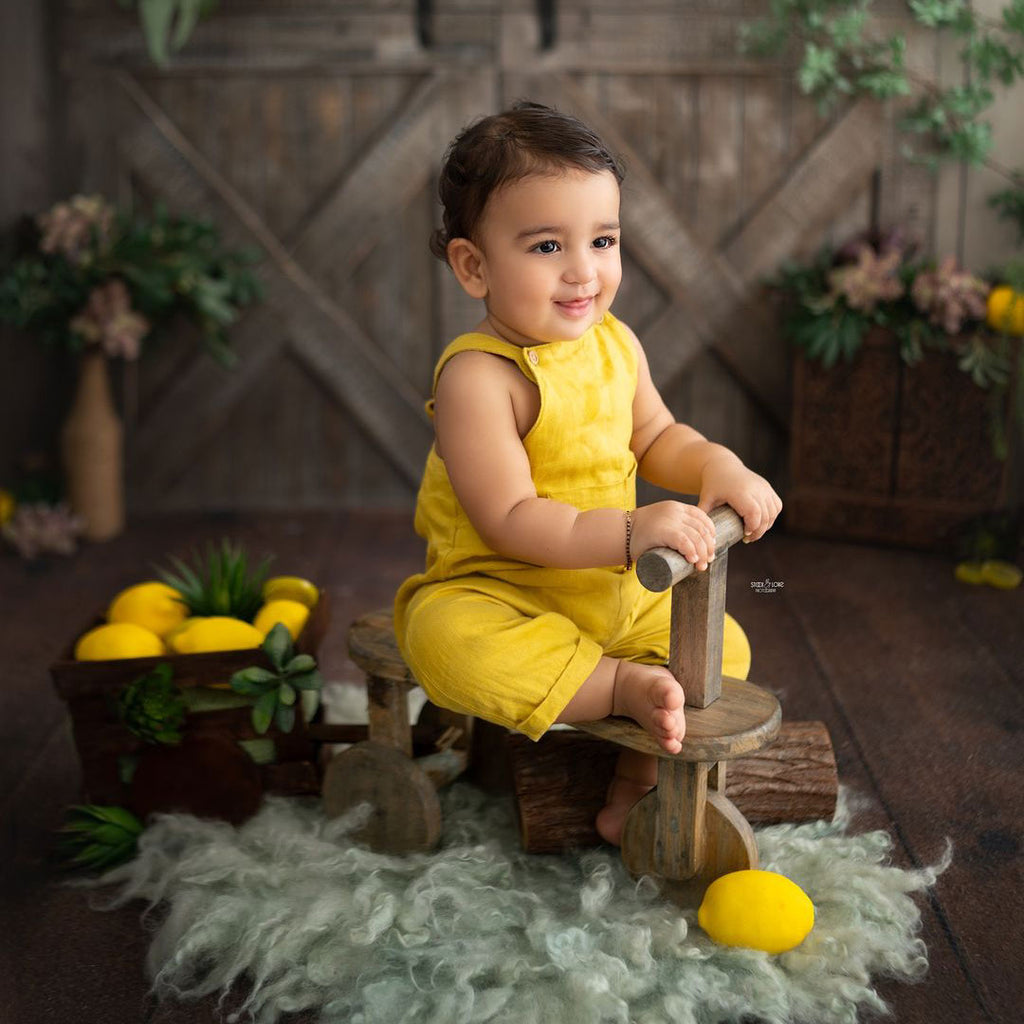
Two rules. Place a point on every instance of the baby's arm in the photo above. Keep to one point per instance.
(677, 457)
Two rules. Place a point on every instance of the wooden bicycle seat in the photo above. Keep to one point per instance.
(743, 719)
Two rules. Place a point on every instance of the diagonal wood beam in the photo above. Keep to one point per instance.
(371, 386)
(393, 170)
(199, 404)
(831, 174)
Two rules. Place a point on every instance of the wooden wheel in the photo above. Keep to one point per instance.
(724, 842)
(406, 815)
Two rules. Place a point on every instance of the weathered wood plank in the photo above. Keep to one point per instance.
(347, 226)
(719, 159)
(763, 143)
(815, 190)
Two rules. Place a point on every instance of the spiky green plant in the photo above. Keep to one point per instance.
(274, 692)
(95, 837)
(152, 707)
(220, 584)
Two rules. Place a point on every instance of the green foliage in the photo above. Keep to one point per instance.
(152, 707)
(95, 837)
(163, 266)
(167, 24)
(1009, 204)
(222, 583)
(274, 693)
(840, 55)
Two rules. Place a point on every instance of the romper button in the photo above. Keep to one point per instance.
(533, 357)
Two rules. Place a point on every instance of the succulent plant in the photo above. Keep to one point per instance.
(95, 837)
(222, 584)
(38, 527)
(950, 297)
(152, 707)
(275, 692)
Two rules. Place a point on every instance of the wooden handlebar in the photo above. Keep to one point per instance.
(661, 568)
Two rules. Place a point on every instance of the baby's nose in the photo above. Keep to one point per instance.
(579, 271)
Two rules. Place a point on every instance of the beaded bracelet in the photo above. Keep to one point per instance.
(629, 539)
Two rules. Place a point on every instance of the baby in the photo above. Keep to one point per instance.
(529, 611)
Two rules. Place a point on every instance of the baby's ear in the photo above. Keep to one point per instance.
(467, 263)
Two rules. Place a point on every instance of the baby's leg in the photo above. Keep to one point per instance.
(649, 694)
(635, 776)
(652, 697)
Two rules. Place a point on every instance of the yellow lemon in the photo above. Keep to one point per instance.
(156, 606)
(7, 506)
(171, 635)
(1006, 310)
(1004, 575)
(118, 640)
(216, 633)
(291, 613)
(758, 910)
(292, 588)
(969, 572)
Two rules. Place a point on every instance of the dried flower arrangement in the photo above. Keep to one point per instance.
(877, 280)
(86, 274)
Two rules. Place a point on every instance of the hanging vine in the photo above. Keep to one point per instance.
(842, 54)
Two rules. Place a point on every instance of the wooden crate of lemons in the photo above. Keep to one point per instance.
(153, 623)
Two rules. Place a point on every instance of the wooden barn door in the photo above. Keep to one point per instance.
(315, 132)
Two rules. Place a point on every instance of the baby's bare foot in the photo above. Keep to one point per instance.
(653, 698)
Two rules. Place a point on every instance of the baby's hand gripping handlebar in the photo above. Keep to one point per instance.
(661, 568)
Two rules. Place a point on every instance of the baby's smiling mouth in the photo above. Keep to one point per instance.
(576, 307)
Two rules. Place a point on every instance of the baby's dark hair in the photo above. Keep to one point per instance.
(498, 150)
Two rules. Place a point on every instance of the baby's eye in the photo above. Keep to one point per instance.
(605, 242)
(546, 247)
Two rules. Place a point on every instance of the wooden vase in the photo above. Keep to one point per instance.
(92, 449)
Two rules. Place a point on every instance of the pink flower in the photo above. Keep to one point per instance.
(108, 319)
(37, 528)
(68, 227)
(872, 279)
(950, 296)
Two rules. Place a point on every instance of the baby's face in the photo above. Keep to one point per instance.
(550, 250)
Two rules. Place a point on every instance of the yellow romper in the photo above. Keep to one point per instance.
(512, 642)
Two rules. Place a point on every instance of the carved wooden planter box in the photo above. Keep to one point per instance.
(893, 454)
(285, 764)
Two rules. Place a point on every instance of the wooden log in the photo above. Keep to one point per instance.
(560, 783)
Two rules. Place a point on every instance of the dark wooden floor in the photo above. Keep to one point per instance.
(919, 679)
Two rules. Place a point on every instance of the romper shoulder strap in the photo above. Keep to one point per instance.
(616, 329)
(476, 342)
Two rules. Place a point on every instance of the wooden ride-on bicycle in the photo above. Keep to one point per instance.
(685, 831)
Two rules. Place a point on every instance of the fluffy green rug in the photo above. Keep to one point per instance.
(289, 913)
